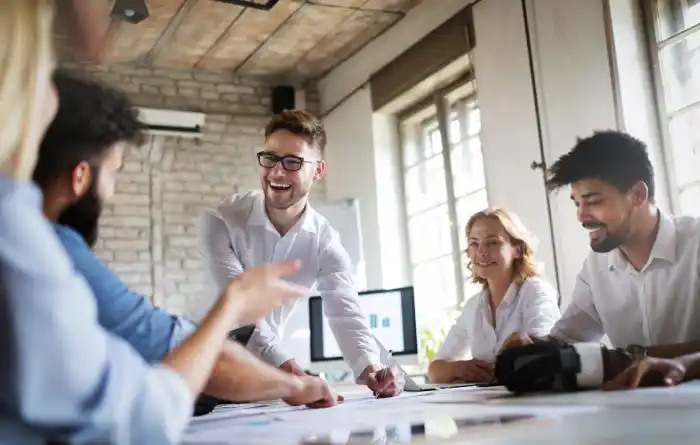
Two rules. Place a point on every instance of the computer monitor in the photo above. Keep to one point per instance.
(392, 318)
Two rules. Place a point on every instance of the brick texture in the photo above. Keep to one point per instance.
(148, 231)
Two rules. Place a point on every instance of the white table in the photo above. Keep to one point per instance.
(650, 416)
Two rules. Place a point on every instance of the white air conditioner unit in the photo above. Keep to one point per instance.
(184, 124)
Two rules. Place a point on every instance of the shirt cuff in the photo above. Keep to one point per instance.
(183, 328)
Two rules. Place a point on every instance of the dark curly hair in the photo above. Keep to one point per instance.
(91, 118)
(610, 156)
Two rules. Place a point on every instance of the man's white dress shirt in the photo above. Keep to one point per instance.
(237, 235)
(660, 304)
(529, 308)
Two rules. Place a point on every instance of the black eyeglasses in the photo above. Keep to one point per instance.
(290, 163)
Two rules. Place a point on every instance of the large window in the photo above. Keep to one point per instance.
(677, 39)
(443, 188)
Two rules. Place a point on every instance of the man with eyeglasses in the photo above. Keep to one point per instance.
(254, 228)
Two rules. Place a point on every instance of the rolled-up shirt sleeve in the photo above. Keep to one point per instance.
(62, 375)
(182, 329)
(345, 317)
(150, 330)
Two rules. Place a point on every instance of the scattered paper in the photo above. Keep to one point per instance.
(469, 395)
(361, 414)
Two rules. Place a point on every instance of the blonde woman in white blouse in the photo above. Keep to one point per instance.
(514, 299)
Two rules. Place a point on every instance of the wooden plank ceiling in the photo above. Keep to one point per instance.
(301, 39)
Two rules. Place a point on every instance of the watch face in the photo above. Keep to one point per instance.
(636, 351)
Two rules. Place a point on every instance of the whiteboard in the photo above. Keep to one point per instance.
(344, 217)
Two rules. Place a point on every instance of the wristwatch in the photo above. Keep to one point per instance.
(636, 352)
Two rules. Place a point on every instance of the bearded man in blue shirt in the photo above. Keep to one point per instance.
(79, 160)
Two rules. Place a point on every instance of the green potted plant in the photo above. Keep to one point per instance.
(433, 334)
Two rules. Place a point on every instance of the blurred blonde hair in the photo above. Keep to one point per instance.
(26, 64)
(523, 267)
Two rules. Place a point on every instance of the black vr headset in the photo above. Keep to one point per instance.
(558, 367)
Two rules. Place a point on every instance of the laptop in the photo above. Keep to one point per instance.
(413, 386)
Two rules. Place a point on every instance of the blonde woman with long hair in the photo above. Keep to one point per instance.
(62, 377)
(513, 299)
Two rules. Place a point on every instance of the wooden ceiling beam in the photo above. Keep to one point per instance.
(267, 39)
(221, 40)
(169, 31)
(321, 42)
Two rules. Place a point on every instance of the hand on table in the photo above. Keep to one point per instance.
(384, 382)
(474, 371)
(314, 393)
(649, 371)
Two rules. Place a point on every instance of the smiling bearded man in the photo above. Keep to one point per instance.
(641, 284)
(254, 228)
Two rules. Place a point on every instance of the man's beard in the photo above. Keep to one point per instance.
(611, 241)
(83, 216)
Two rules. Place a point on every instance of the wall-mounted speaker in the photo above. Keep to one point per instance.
(283, 98)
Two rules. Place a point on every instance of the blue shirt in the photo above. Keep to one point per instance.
(149, 330)
(62, 375)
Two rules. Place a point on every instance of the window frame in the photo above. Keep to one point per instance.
(438, 106)
(655, 45)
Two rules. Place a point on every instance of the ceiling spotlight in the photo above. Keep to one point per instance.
(132, 11)
(264, 5)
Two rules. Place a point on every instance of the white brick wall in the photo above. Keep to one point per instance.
(148, 231)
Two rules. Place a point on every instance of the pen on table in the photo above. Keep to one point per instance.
(386, 363)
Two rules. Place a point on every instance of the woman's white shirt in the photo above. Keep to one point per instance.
(529, 309)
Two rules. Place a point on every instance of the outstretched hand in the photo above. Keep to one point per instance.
(475, 371)
(256, 292)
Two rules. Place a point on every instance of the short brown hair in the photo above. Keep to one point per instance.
(299, 122)
(525, 266)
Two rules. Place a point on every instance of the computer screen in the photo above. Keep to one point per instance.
(391, 316)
